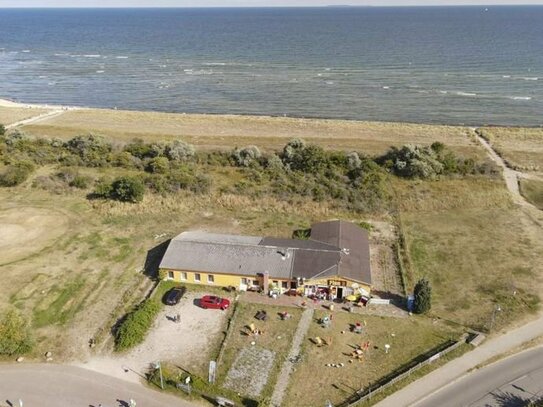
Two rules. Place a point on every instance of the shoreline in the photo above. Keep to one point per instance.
(8, 103)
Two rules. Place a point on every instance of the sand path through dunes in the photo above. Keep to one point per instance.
(28, 230)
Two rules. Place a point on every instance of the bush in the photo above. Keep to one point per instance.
(92, 149)
(158, 165)
(16, 174)
(15, 338)
(71, 177)
(423, 297)
(127, 189)
(2, 129)
(244, 157)
(135, 326)
(179, 151)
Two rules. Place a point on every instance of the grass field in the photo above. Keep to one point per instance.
(532, 190)
(521, 148)
(477, 249)
(408, 338)
(9, 115)
(225, 132)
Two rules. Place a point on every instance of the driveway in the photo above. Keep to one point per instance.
(185, 343)
(44, 385)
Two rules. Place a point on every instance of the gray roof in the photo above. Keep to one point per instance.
(227, 258)
(355, 246)
(335, 248)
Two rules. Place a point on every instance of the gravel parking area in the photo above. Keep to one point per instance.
(185, 343)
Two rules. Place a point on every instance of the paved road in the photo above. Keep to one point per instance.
(48, 385)
(506, 383)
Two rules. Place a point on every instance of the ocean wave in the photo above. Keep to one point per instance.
(531, 79)
(386, 87)
(100, 71)
(92, 56)
(443, 92)
(121, 57)
(520, 98)
(506, 76)
(215, 64)
(470, 94)
(26, 51)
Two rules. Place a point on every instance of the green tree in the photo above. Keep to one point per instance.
(423, 296)
(127, 189)
(15, 338)
(92, 149)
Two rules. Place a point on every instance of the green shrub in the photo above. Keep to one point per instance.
(92, 149)
(179, 151)
(16, 174)
(127, 189)
(2, 129)
(423, 297)
(244, 157)
(134, 328)
(158, 165)
(15, 338)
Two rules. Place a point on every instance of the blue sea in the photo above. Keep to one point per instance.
(455, 65)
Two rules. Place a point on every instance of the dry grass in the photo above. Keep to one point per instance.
(313, 382)
(9, 115)
(277, 337)
(225, 132)
(532, 190)
(476, 249)
(521, 148)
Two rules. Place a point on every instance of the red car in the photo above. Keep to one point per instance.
(211, 301)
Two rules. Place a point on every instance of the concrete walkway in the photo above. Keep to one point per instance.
(288, 365)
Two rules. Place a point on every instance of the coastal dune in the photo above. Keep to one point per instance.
(228, 131)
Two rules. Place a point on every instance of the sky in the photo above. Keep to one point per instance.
(249, 3)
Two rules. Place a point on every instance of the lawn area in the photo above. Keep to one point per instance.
(276, 338)
(227, 131)
(9, 115)
(521, 148)
(532, 190)
(476, 248)
(408, 338)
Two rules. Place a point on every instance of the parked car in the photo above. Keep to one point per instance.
(211, 301)
(173, 296)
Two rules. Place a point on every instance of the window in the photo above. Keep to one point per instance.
(183, 276)
(275, 283)
(197, 277)
(210, 279)
(284, 284)
(244, 281)
(170, 275)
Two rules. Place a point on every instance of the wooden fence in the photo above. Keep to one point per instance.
(374, 389)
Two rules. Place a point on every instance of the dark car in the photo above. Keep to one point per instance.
(174, 295)
(211, 301)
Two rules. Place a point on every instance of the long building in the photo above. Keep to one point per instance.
(334, 262)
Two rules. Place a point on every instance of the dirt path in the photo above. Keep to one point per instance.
(39, 118)
(288, 365)
(512, 178)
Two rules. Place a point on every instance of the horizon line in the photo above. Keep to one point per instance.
(268, 7)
